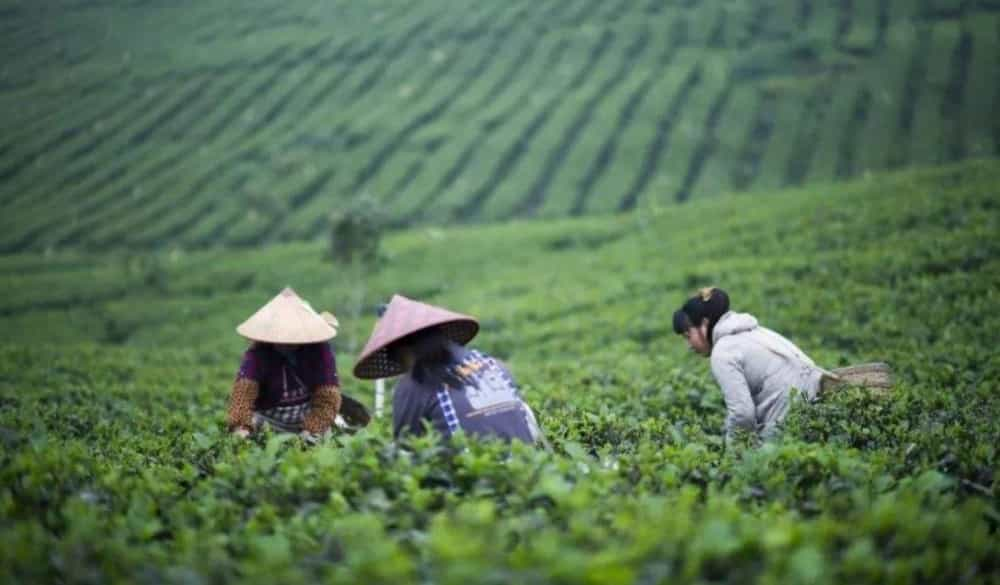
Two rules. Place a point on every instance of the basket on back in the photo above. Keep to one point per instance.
(876, 375)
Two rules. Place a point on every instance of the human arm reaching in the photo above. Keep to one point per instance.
(323, 409)
(241, 401)
(741, 412)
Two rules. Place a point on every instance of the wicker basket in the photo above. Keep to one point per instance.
(354, 414)
(876, 375)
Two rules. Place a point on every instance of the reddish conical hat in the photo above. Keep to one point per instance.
(287, 318)
(403, 317)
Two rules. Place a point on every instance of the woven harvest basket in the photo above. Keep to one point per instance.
(875, 375)
(353, 413)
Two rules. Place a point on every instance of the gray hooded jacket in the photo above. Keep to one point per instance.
(756, 369)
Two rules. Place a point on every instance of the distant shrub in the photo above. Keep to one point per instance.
(146, 270)
(265, 203)
(356, 231)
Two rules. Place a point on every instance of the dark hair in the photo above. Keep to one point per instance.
(433, 352)
(710, 303)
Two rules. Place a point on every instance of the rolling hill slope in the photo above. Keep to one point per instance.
(114, 372)
(193, 123)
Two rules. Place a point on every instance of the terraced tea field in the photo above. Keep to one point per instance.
(194, 123)
(116, 465)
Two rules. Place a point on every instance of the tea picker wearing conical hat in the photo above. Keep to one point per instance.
(288, 377)
(444, 385)
(756, 367)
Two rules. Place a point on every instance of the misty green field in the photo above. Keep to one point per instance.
(569, 172)
(154, 124)
(115, 370)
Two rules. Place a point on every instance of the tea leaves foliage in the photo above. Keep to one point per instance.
(116, 466)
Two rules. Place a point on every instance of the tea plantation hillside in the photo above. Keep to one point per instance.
(159, 124)
(115, 370)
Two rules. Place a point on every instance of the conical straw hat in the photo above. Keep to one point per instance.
(288, 319)
(403, 317)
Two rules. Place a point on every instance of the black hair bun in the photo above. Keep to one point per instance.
(717, 303)
(710, 303)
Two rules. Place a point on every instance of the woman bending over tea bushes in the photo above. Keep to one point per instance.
(444, 385)
(757, 368)
(288, 377)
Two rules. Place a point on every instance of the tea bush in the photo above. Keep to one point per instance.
(116, 466)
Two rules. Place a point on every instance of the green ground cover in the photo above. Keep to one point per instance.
(726, 145)
(932, 125)
(447, 111)
(115, 369)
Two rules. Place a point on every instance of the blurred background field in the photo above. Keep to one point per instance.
(188, 124)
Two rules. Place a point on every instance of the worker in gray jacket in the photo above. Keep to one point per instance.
(757, 368)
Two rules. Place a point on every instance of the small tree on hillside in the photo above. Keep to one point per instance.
(356, 231)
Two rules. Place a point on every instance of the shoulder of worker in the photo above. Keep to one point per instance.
(729, 343)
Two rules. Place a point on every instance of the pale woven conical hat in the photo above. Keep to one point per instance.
(403, 317)
(287, 318)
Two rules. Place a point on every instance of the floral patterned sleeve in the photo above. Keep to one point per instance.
(244, 394)
(241, 401)
(322, 410)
